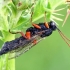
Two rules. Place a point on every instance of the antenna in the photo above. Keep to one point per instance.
(64, 37)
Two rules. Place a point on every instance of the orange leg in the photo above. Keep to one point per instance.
(28, 35)
(35, 25)
(35, 42)
(46, 24)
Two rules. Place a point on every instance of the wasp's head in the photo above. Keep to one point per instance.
(52, 25)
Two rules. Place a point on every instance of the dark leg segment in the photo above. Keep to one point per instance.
(22, 34)
(35, 25)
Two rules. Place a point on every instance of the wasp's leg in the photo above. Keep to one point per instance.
(22, 34)
(28, 34)
(45, 16)
(35, 42)
(46, 24)
(35, 25)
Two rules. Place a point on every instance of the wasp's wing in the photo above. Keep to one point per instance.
(26, 47)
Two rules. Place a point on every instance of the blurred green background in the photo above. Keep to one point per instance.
(50, 54)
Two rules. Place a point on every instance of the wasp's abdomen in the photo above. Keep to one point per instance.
(5, 49)
(11, 45)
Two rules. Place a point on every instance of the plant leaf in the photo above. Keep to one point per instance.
(56, 3)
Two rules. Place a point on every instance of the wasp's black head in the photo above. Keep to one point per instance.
(52, 25)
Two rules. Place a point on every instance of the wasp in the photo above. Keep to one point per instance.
(68, 11)
(33, 35)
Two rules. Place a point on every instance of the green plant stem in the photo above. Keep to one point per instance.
(5, 63)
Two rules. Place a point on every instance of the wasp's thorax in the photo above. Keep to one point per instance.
(48, 31)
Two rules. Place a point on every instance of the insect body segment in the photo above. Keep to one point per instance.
(46, 27)
(32, 36)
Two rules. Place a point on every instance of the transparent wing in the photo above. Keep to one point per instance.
(25, 48)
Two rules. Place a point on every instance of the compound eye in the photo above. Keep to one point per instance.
(53, 23)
